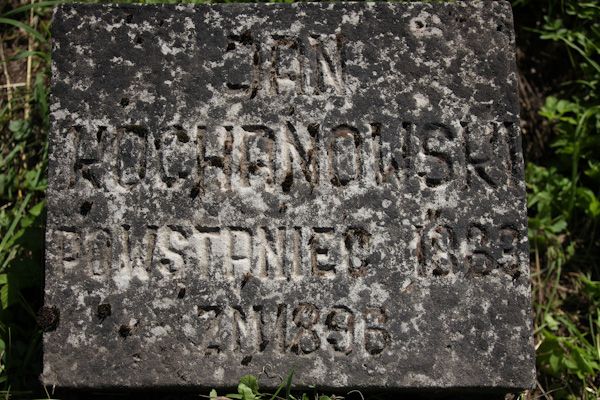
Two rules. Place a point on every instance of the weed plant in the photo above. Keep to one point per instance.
(24, 122)
(563, 184)
(563, 180)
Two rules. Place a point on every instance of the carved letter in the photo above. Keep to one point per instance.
(376, 337)
(177, 155)
(344, 155)
(286, 67)
(242, 64)
(328, 63)
(300, 149)
(270, 253)
(341, 322)
(306, 340)
(131, 154)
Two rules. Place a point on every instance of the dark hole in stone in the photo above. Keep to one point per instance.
(348, 241)
(124, 331)
(217, 162)
(263, 345)
(138, 130)
(313, 129)
(182, 136)
(420, 24)
(253, 94)
(230, 46)
(102, 130)
(287, 183)
(216, 348)
(161, 22)
(129, 18)
(85, 208)
(374, 352)
(283, 207)
(236, 86)
(181, 293)
(48, 318)
(291, 110)
(195, 192)
(247, 277)
(157, 144)
(246, 38)
(499, 28)
(246, 360)
(87, 174)
(170, 182)
(125, 101)
(515, 275)
(104, 310)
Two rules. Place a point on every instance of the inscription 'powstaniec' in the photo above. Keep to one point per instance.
(239, 186)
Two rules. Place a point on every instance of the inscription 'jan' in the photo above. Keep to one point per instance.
(284, 65)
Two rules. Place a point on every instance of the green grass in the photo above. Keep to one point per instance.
(23, 159)
(563, 199)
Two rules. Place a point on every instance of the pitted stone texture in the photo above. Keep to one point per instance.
(334, 185)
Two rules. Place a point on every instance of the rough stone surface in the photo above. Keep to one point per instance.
(239, 187)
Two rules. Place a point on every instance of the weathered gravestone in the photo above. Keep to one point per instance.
(338, 185)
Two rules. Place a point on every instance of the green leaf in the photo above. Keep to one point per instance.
(551, 355)
(583, 366)
(246, 392)
(213, 393)
(552, 324)
(16, 126)
(9, 295)
(559, 225)
(38, 208)
(250, 382)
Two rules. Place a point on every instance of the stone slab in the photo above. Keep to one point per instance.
(235, 188)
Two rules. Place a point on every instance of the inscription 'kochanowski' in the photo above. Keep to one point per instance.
(292, 156)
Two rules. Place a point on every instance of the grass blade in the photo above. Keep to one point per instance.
(27, 28)
(288, 382)
(26, 54)
(36, 5)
